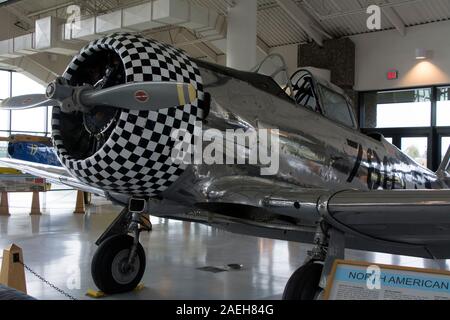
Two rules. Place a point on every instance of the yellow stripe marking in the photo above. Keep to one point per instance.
(181, 98)
(192, 93)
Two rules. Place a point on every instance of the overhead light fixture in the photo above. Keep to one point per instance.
(421, 54)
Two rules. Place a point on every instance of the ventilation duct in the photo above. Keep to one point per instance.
(7, 49)
(139, 17)
(111, 22)
(49, 37)
(53, 35)
(24, 44)
(85, 30)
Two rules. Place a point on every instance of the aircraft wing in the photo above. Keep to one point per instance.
(51, 173)
(416, 218)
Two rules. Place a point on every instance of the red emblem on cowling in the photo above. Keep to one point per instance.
(141, 96)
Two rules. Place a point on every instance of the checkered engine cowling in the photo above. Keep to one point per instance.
(135, 159)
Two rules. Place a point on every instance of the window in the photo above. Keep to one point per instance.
(5, 88)
(443, 107)
(445, 143)
(49, 120)
(3, 149)
(418, 120)
(391, 108)
(4, 121)
(4, 84)
(32, 133)
(29, 121)
(417, 149)
(336, 107)
(21, 84)
(32, 120)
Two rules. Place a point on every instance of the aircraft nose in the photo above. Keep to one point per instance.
(129, 152)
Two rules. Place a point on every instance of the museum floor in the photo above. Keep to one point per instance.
(59, 246)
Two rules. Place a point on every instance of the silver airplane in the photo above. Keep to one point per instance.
(121, 97)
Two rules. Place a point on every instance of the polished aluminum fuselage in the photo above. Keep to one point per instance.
(314, 151)
(317, 156)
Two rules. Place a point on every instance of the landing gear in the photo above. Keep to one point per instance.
(308, 281)
(119, 262)
(304, 283)
(110, 268)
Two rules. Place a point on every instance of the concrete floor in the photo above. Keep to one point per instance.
(59, 245)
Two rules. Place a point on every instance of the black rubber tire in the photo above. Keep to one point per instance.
(304, 282)
(7, 293)
(101, 266)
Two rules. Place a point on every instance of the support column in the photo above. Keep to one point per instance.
(241, 35)
(336, 55)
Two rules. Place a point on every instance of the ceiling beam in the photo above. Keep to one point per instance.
(395, 19)
(50, 9)
(189, 36)
(302, 19)
(262, 46)
(21, 16)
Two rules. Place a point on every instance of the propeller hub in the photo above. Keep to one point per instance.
(50, 91)
(59, 90)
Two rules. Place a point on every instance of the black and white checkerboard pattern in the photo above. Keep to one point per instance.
(136, 158)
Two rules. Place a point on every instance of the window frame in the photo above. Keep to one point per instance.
(350, 111)
(433, 132)
(8, 131)
(434, 116)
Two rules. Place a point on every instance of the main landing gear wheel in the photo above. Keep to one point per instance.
(304, 283)
(111, 270)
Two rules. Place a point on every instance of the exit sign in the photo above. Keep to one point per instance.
(392, 74)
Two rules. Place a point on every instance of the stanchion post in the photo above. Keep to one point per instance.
(12, 273)
(4, 205)
(79, 208)
(35, 204)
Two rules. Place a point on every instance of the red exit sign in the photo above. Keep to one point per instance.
(392, 74)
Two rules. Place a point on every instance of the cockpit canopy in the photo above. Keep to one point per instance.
(309, 90)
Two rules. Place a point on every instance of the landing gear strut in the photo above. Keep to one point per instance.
(308, 281)
(119, 262)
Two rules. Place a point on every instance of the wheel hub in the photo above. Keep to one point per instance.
(121, 270)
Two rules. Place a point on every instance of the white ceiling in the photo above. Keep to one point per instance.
(337, 18)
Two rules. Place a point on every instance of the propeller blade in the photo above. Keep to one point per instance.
(27, 101)
(147, 96)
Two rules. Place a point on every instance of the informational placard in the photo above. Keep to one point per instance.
(21, 183)
(352, 280)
